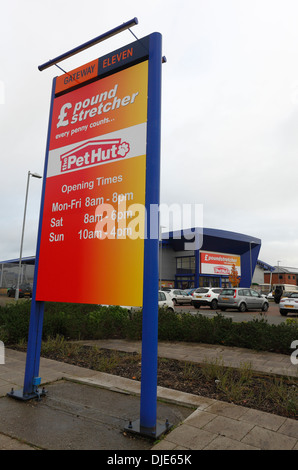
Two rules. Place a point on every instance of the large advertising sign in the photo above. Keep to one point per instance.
(101, 178)
(92, 236)
(219, 263)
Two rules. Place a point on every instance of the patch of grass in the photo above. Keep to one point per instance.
(243, 386)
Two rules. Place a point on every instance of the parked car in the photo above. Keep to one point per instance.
(179, 296)
(190, 291)
(25, 290)
(282, 290)
(165, 301)
(289, 304)
(243, 299)
(206, 296)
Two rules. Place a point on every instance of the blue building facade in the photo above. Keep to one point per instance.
(206, 261)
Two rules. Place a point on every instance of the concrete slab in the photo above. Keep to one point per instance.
(268, 440)
(190, 437)
(80, 417)
(266, 420)
(230, 428)
(7, 443)
(225, 443)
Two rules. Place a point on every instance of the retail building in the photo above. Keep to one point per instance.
(210, 261)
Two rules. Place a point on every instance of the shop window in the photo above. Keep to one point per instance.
(225, 282)
(185, 282)
(209, 281)
(185, 264)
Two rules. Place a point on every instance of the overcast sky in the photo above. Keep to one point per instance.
(229, 108)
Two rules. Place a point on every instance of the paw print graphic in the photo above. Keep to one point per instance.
(123, 149)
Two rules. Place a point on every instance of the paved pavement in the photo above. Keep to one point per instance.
(85, 409)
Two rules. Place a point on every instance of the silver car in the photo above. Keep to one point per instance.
(243, 299)
(179, 296)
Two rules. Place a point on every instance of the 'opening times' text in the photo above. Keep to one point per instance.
(94, 203)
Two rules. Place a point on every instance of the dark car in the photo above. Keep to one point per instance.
(25, 290)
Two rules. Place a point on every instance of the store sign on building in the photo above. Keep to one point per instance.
(219, 263)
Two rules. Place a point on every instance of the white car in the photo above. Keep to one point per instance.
(179, 296)
(206, 296)
(289, 304)
(164, 301)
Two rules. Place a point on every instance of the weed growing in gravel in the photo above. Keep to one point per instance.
(240, 385)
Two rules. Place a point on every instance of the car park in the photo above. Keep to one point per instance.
(242, 299)
(178, 296)
(25, 290)
(289, 304)
(206, 296)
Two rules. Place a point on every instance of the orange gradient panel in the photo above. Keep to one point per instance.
(109, 104)
(77, 76)
(78, 262)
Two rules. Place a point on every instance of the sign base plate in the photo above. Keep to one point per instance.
(19, 395)
(153, 433)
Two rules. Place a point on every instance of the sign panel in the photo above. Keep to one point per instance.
(92, 237)
(219, 263)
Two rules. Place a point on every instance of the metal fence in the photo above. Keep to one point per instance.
(9, 274)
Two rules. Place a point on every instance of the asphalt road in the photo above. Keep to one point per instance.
(272, 315)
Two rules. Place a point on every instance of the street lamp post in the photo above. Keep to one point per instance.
(34, 175)
(160, 255)
(278, 271)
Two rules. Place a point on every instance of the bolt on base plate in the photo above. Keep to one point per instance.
(154, 433)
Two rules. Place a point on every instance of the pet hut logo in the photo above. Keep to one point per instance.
(221, 270)
(93, 153)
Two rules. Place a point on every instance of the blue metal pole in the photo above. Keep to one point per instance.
(90, 43)
(33, 349)
(37, 307)
(150, 297)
